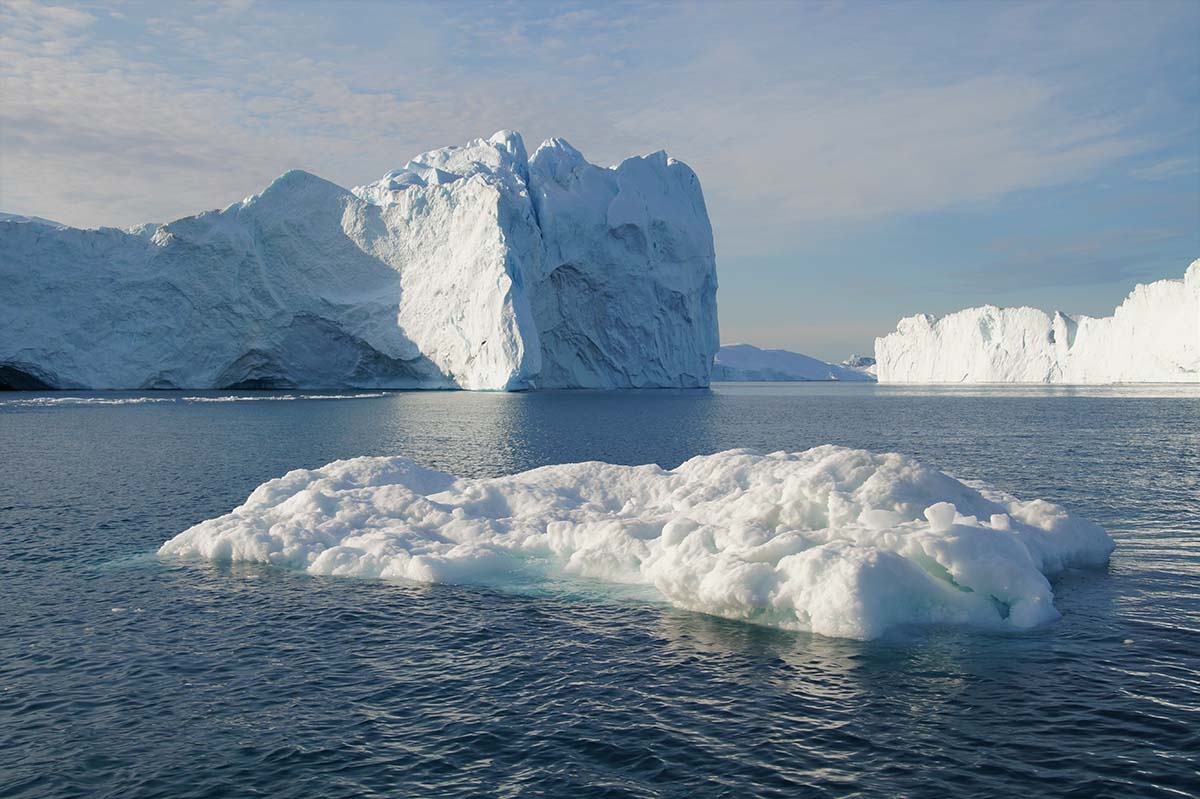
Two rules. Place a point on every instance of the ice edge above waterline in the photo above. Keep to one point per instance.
(836, 541)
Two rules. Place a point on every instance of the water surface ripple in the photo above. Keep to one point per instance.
(125, 676)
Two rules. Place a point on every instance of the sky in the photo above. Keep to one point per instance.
(861, 161)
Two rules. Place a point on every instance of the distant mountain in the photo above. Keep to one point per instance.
(745, 362)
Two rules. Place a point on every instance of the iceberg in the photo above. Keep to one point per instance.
(740, 362)
(1152, 337)
(836, 541)
(474, 267)
(861, 363)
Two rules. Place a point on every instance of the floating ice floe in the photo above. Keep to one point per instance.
(53, 402)
(837, 541)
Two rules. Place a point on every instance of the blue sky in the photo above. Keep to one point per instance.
(861, 161)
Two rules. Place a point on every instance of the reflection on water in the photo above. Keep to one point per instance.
(124, 676)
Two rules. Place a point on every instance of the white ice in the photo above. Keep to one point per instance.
(472, 267)
(1152, 337)
(837, 541)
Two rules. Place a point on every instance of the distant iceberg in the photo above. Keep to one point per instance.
(837, 541)
(473, 267)
(745, 362)
(862, 363)
(33, 219)
(1152, 337)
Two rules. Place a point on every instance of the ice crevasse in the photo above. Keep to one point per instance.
(836, 541)
(474, 267)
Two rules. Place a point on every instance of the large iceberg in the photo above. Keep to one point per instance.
(837, 541)
(473, 267)
(1152, 337)
(740, 362)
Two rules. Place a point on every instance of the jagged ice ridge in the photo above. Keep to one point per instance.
(473, 267)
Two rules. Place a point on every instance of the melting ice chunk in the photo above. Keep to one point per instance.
(941, 516)
(838, 541)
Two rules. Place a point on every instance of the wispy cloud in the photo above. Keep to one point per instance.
(1165, 170)
(793, 114)
(1114, 256)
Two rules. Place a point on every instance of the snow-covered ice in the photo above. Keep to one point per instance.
(861, 363)
(737, 362)
(58, 402)
(472, 267)
(1152, 337)
(31, 219)
(838, 541)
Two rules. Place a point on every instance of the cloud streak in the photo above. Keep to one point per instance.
(165, 114)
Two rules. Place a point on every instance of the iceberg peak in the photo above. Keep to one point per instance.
(511, 141)
(297, 181)
(469, 267)
(557, 159)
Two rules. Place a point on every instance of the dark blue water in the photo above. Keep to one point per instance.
(122, 676)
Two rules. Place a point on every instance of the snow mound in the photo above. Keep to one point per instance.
(472, 267)
(738, 362)
(841, 542)
(1152, 337)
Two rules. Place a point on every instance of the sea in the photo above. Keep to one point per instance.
(126, 675)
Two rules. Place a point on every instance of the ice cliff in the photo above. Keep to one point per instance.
(473, 267)
(838, 541)
(739, 362)
(1152, 337)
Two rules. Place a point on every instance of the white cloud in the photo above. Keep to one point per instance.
(789, 118)
(1165, 170)
(49, 17)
